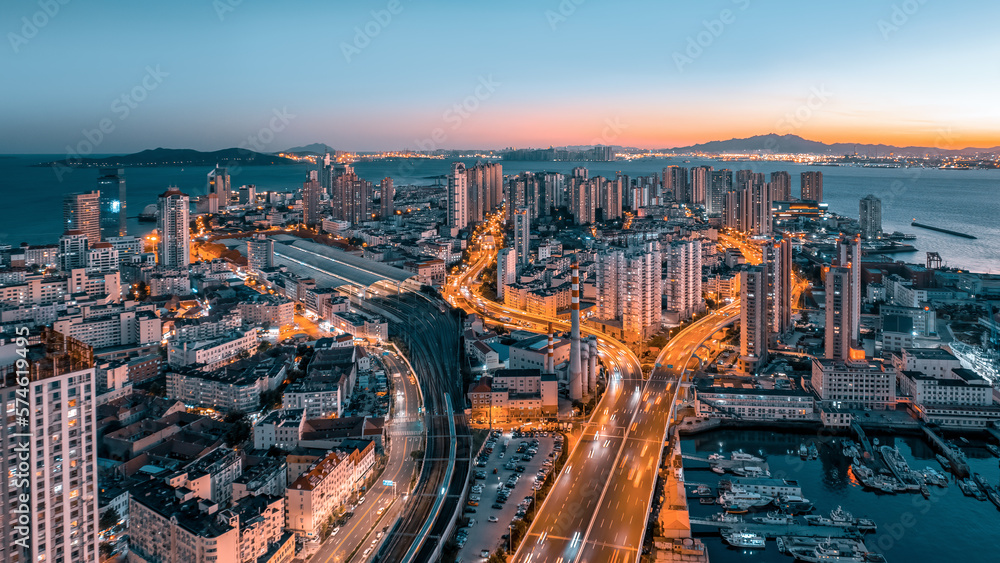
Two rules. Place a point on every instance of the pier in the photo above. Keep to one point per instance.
(958, 466)
(773, 531)
(940, 230)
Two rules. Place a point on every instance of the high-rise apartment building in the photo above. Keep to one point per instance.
(870, 210)
(352, 196)
(111, 185)
(777, 258)
(849, 256)
(839, 330)
(812, 186)
(753, 321)
(82, 212)
(720, 182)
(387, 193)
(629, 289)
(218, 181)
(50, 461)
(73, 249)
(260, 252)
(174, 245)
(682, 284)
(458, 198)
(522, 236)
(675, 183)
(311, 203)
(699, 184)
(247, 194)
(781, 186)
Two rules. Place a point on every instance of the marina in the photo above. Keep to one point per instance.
(846, 510)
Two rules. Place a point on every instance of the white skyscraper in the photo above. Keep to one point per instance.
(522, 236)
(52, 455)
(629, 287)
(175, 237)
(682, 285)
(458, 198)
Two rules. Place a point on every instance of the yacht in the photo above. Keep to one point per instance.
(776, 517)
(794, 504)
(743, 538)
(726, 518)
(743, 499)
(840, 517)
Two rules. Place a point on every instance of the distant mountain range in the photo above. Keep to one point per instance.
(773, 143)
(315, 148)
(176, 157)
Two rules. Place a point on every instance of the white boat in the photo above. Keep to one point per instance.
(740, 455)
(745, 539)
(743, 499)
(719, 470)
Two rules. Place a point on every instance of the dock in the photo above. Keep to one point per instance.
(729, 465)
(773, 531)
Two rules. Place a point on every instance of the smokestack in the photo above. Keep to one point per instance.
(575, 381)
(593, 364)
(550, 363)
(585, 366)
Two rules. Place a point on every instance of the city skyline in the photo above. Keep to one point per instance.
(388, 75)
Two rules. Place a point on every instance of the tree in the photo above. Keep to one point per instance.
(109, 519)
(238, 433)
(106, 549)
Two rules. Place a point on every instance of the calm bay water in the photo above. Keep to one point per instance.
(946, 526)
(961, 200)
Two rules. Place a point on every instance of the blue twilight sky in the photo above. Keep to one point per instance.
(209, 74)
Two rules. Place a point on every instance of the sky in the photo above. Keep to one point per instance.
(123, 76)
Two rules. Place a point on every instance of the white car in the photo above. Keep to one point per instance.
(493, 519)
(484, 553)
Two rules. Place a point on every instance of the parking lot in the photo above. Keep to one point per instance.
(499, 504)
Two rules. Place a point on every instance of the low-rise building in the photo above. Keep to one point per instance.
(172, 524)
(214, 353)
(515, 395)
(754, 404)
(854, 384)
(236, 387)
(368, 327)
